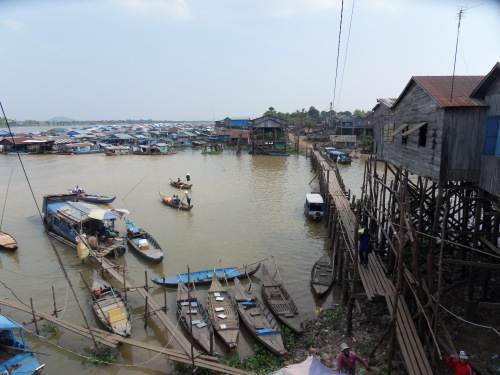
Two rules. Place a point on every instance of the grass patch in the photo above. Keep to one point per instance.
(288, 337)
(335, 315)
(211, 153)
(51, 327)
(293, 151)
(105, 359)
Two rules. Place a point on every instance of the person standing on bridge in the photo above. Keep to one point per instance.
(460, 363)
(347, 360)
(364, 246)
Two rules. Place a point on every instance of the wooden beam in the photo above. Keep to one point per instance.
(488, 305)
(472, 264)
(490, 245)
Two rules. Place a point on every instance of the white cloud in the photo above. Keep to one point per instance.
(177, 10)
(15, 25)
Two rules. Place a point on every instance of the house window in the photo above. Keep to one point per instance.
(404, 139)
(422, 136)
(491, 140)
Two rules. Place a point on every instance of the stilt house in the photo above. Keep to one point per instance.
(269, 135)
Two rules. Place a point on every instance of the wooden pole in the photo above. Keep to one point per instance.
(165, 296)
(278, 272)
(190, 316)
(124, 284)
(54, 296)
(34, 317)
(146, 313)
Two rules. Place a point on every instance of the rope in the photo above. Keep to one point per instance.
(65, 302)
(14, 294)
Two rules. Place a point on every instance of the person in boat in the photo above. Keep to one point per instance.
(177, 200)
(78, 189)
(188, 197)
(188, 177)
(179, 181)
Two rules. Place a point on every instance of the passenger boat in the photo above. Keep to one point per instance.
(258, 319)
(170, 202)
(158, 149)
(16, 358)
(181, 185)
(280, 302)
(322, 275)
(339, 157)
(117, 150)
(223, 312)
(193, 309)
(66, 219)
(110, 306)
(7, 242)
(314, 207)
(143, 243)
(205, 277)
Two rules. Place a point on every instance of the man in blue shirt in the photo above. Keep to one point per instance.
(364, 246)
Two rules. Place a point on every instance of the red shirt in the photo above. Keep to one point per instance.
(459, 367)
(349, 362)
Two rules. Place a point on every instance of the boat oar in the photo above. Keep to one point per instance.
(278, 272)
(225, 278)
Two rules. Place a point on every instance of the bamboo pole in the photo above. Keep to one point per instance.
(190, 315)
(54, 296)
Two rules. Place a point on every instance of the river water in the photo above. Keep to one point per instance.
(246, 208)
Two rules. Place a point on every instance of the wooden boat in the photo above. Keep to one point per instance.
(280, 302)
(143, 243)
(223, 312)
(170, 202)
(205, 277)
(16, 357)
(200, 320)
(110, 306)
(258, 319)
(7, 242)
(180, 186)
(314, 207)
(94, 198)
(322, 275)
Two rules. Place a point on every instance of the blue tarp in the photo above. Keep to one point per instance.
(55, 206)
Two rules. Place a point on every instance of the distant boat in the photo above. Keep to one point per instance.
(181, 185)
(7, 242)
(277, 154)
(314, 207)
(94, 198)
(205, 277)
(16, 358)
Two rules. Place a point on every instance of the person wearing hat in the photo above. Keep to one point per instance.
(347, 360)
(188, 177)
(460, 363)
(364, 246)
(188, 197)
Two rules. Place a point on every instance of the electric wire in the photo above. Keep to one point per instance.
(338, 53)
(345, 56)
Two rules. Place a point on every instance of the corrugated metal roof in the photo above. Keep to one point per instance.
(439, 88)
(65, 141)
(236, 133)
(77, 211)
(387, 101)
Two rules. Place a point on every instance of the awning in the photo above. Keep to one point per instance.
(398, 130)
(414, 129)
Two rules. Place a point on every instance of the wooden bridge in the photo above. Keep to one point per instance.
(375, 281)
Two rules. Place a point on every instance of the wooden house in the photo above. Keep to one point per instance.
(269, 135)
(435, 133)
(235, 134)
(383, 121)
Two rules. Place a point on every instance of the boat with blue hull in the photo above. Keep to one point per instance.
(314, 207)
(15, 356)
(205, 277)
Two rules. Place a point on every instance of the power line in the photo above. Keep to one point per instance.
(338, 53)
(345, 57)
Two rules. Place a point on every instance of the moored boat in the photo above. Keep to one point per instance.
(223, 312)
(314, 207)
(322, 275)
(181, 185)
(81, 195)
(16, 358)
(193, 314)
(7, 242)
(170, 202)
(280, 302)
(143, 243)
(110, 306)
(205, 277)
(258, 319)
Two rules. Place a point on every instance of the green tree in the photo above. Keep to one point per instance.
(309, 124)
(271, 109)
(359, 112)
(366, 140)
(313, 112)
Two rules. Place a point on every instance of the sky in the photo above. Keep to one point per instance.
(204, 60)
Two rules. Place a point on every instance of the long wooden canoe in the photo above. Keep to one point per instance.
(153, 253)
(322, 275)
(180, 186)
(280, 302)
(205, 277)
(110, 302)
(192, 308)
(223, 312)
(95, 198)
(258, 319)
(7, 242)
(170, 202)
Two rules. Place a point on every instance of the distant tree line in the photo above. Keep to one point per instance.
(312, 115)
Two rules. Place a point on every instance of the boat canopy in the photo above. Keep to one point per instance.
(75, 211)
(314, 198)
(6, 323)
(337, 153)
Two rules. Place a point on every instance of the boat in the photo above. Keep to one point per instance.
(66, 219)
(322, 275)
(110, 306)
(205, 277)
(193, 309)
(223, 312)
(143, 243)
(280, 302)
(7, 242)
(158, 149)
(117, 150)
(278, 154)
(170, 202)
(339, 157)
(181, 185)
(314, 207)
(16, 358)
(258, 319)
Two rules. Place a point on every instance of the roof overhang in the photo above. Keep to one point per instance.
(480, 91)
